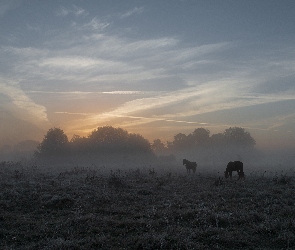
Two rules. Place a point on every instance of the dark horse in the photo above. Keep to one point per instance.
(189, 166)
(234, 166)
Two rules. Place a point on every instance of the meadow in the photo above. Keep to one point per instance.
(46, 207)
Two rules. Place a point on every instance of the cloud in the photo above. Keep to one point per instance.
(72, 113)
(135, 10)
(76, 11)
(24, 107)
(136, 62)
(103, 59)
(62, 11)
(25, 52)
(71, 62)
(192, 101)
(117, 92)
(282, 121)
(96, 24)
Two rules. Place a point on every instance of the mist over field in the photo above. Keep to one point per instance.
(111, 148)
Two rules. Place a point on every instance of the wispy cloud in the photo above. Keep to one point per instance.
(96, 24)
(72, 113)
(136, 61)
(104, 58)
(71, 62)
(136, 10)
(117, 92)
(27, 109)
(75, 10)
(193, 101)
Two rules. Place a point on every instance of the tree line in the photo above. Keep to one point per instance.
(200, 138)
(107, 140)
(234, 143)
(101, 141)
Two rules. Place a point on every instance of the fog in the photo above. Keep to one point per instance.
(110, 149)
(213, 161)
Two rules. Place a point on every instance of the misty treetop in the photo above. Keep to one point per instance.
(55, 142)
(200, 138)
(108, 140)
(233, 143)
(238, 137)
(101, 140)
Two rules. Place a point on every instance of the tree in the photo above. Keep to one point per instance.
(201, 136)
(217, 140)
(108, 137)
(238, 137)
(137, 143)
(79, 144)
(158, 146)
(117, 140)
(55, 143)
(180, 141)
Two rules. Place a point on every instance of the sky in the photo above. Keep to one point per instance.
(153, 67)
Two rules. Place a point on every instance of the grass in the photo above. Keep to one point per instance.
(95, 208)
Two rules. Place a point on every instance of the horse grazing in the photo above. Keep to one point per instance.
(234, 166)
(189, 166)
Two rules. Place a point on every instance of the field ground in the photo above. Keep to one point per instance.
(88, 208)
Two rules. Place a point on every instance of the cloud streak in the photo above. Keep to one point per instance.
(27, 109)
(193, 101)
(75, 10)
(130, 61)
(136, 10)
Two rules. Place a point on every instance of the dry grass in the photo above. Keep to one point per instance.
(83, 208)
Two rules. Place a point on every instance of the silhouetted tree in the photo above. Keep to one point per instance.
(110, 139)
(138, 144)
(231, 137)
(99, 145)
(227, 145)
(107, 139)
(55, 143)
(238, 137)
(108, 134)
(79, 144)
(158, 146)
(75, 138)
(217, 140)
(180, 142)
(201, 136)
